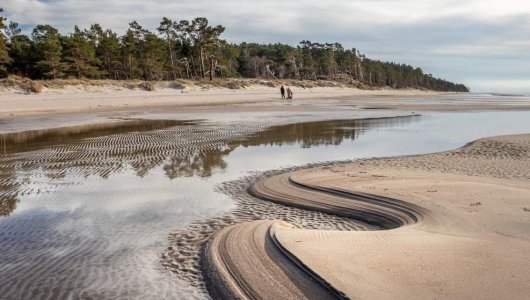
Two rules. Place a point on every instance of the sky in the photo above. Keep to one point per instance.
(484, 44)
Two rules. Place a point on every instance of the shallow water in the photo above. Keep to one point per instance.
(89, 216)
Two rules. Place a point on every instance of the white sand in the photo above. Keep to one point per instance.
(87, 98)
(474, 242)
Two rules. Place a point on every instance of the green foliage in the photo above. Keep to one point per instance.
(108, 51)
(167, 29)
(193, 49)
(49, 51)
(80, 56)
(4, 55)
(21, 50)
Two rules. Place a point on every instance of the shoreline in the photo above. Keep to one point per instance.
(86, 99)
(449, 238)
(79, 97)
(71, 108)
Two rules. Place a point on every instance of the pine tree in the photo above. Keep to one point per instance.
(128, 53)
(80, 56)
(228, 60)
(205, 39)
(192, 49)
(49, 51)
(148, 50)
(182, 29)
(167, 28)
(108, 52)
(21, 51)
(152, 52)
(5, 60)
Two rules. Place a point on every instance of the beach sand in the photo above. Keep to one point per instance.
(112, 96)
(458, 226)
(453, 225)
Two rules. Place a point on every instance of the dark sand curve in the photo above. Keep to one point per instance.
(248, 261)
(462, 232)
(245, 261)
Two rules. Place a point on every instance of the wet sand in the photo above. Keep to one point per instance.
(457, 223)
(193, 151)
(108, 196)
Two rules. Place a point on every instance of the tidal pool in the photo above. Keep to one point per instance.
(87, 214)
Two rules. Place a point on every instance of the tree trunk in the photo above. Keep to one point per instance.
(171, 57)
(78, 68)
(187, 68)
(129, 66)
(360, 70)
(269, 72)
(194, 67)
(212, 67)
(53, 68)
(201, 54)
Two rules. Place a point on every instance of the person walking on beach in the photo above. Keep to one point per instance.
(282, 90)
(289, 93)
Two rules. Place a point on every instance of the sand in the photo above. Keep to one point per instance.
(70, 99)
(458, 225)
(259, 266)
(75, 99)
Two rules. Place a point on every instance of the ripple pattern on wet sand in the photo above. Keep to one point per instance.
(44, 261)
(55, 255)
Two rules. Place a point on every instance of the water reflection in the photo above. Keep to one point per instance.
(201, 164)
(321, 132)
(183, 149)
(37, 139)
(89, 218)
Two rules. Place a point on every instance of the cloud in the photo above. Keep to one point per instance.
(459, 40)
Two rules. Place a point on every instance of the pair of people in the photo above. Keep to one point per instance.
(289, 93)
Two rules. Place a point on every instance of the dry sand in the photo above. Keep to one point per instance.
(108, 96)
(104, 97)
(460, 226)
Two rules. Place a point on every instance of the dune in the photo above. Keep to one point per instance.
(454, 225)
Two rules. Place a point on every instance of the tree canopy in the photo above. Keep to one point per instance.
(192, 49)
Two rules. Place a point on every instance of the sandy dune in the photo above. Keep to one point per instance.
(467, 234)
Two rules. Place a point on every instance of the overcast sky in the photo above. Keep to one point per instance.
(484, 44)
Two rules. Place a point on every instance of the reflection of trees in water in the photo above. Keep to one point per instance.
(183, 151)
(8, 204)
(320, 132)
(200, 164)
(8, 198)
(38, 139)
(180, 151)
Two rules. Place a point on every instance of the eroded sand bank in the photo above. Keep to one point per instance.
(459, 228)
